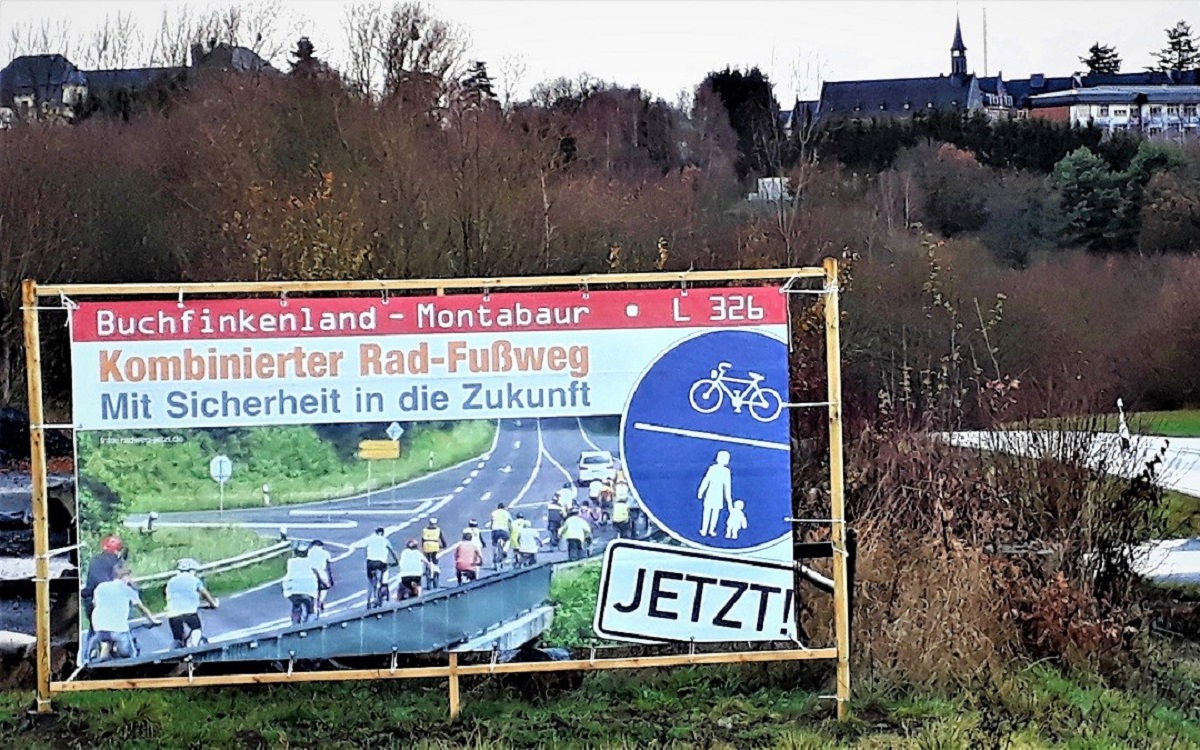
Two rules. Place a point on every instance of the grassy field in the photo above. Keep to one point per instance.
(296, 462)
(752, 706)
(1181, 423)
(573, 592)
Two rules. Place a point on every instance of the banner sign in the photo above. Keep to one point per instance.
(445, 451)
(652, 592)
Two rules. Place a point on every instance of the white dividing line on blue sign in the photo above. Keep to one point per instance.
(652, 593)
(709, 436)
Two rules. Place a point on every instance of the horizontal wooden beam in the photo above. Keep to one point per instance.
(641, 662)
(439, 285)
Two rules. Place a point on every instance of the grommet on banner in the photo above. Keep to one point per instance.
(586, 293)
(283, 299)
(487, 294)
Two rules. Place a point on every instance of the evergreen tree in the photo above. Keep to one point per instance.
(305, 63)
(1180, 52)
(749, 100)
(1102, 58)
(477, 84)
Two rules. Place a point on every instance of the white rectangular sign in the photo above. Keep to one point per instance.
(654, 592)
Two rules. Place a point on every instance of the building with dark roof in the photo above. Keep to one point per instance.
(892, 98)
(1165, 110)
(51, 85)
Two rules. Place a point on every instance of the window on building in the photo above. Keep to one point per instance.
(1103, 110)
(1120, 112)
(1154, 131)
(1156, 111)
(1173, 110)
(1189, 110)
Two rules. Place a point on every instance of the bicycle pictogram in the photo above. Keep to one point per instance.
(708, 394)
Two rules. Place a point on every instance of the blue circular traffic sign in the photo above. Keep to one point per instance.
(705, 441)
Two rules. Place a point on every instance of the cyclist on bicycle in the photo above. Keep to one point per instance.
(528, 544)
(467, 559)
(413, 565)
(566, 497)
(432, 543)
(320, 559)
(184, 591)
(300, 585)
(476, 535)
(501, 520)
(514, 528)
(110, 615)
(379, 551)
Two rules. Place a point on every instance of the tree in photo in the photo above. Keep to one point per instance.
(754, 115)
(1181, 52)
(477, 85)
(1102, 58)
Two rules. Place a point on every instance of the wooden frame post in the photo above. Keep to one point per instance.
(837, 497)
(455, 705)
(37, 470)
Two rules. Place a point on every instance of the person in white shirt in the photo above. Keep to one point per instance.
(184, 592)
(412, 568)
(320, 559)
(110, 615)
(566, 497)
(300, 585)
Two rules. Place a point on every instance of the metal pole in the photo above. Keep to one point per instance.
(368, 483)
(837, 498)
(37, 468)
(221, 484)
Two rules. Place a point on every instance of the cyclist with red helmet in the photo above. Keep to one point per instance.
(100, 570)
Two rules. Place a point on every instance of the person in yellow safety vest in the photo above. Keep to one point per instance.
(578, 534)
(620, 518)
(475, 534)
(432, 541)
(501, 520)
(515, 527)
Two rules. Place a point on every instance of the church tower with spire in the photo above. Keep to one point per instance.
(958, 52)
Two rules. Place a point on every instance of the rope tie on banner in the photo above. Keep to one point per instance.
(291, 662)
(592, 656)
(586, 293)
(487, 294)
(692, 647)
(392, 668)
(179, 304)
(67, 303)
(283, 299)
(683, 287)
(495, 656)
(191, 670)
(386, 298)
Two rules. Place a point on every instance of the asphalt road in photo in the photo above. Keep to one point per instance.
(528, 462)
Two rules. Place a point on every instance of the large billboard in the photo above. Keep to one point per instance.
(462, 460)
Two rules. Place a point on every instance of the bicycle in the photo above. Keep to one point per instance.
(377, 588)
(708, 394)
(499, 553)
(193, 636)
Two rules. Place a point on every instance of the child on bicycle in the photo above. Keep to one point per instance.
(184, 592)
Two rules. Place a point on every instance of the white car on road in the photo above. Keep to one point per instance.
(595, 465)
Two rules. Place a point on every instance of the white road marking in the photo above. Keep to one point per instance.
(557, 465)
(485, 496)
(475, 472)
(537, 466)
(586, 438)
(467, 481)
(710, 436)
(248, 525)
(506, 469)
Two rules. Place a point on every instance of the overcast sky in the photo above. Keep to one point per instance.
(666, 46)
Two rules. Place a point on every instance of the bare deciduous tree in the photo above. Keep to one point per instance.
(510, 73)
(48, 36)
(116, 43)
(388, 46)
